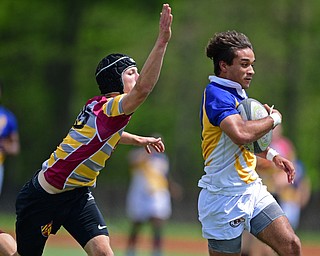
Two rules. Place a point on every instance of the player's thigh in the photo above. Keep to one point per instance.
(276, 234)
(225, 247)
(99, 245)
(34, 221)
(86, 222)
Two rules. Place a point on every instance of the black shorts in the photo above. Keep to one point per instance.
(40, 214)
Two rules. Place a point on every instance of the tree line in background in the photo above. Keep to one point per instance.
(50, 49)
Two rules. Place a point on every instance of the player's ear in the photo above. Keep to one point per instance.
(223, 66)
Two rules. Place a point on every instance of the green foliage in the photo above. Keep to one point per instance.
(49, 51)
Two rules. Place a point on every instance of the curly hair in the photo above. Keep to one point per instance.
(223, 46)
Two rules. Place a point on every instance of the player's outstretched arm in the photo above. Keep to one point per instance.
(285, 165)
(147, 142)
(150, 72)
(280, 162)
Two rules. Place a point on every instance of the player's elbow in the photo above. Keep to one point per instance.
(241, 138)
(134, 100)
(143, 90)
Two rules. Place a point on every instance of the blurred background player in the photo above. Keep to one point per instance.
(9, 136)
(9, 145)
(291, 197)
(149, 199)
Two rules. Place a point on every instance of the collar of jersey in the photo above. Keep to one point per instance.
(229, 83)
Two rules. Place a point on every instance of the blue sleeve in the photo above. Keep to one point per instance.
(219, 104)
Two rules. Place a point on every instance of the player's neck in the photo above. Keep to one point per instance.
(111, 94)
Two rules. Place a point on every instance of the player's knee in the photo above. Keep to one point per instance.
(102, 253)
(296, 245)
(99, 246)
(293, 247)
(8, 246)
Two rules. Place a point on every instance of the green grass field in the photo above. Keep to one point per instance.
(119, 227)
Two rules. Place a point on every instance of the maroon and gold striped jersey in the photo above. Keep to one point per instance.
(82, 154)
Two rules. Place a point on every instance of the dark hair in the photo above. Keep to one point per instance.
(223, 46)
(109, 72)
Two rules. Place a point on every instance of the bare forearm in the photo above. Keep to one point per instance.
(242, 132)
(129, 139)
(254, 130)
(147, 80)
(147, 142)
(150, 72)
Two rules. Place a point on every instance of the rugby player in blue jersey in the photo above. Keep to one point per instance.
(9, 137)
(232, 196)
(9, 145)
(59, 193)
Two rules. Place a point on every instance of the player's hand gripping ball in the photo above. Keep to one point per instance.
(251, 109)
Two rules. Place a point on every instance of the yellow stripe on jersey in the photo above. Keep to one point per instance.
(113, 106)
(87, 131)
(211, 137)
(71, 141)
(86, 172)
(250, 160)
(76, 183)
(51, 160)
(210, 134)
(114, 140)
(60, 153)
(99, 158)
(156, 180)
(2, 158)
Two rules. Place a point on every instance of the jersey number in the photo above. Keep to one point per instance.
(82, 119)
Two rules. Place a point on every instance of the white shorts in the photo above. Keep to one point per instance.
(224, 217)
(144, 205)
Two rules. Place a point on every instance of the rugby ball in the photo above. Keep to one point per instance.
(251, 109)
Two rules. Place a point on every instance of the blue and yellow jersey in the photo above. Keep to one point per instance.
(77, 161)
(152, 170)
(228, 167)
(8, 125)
